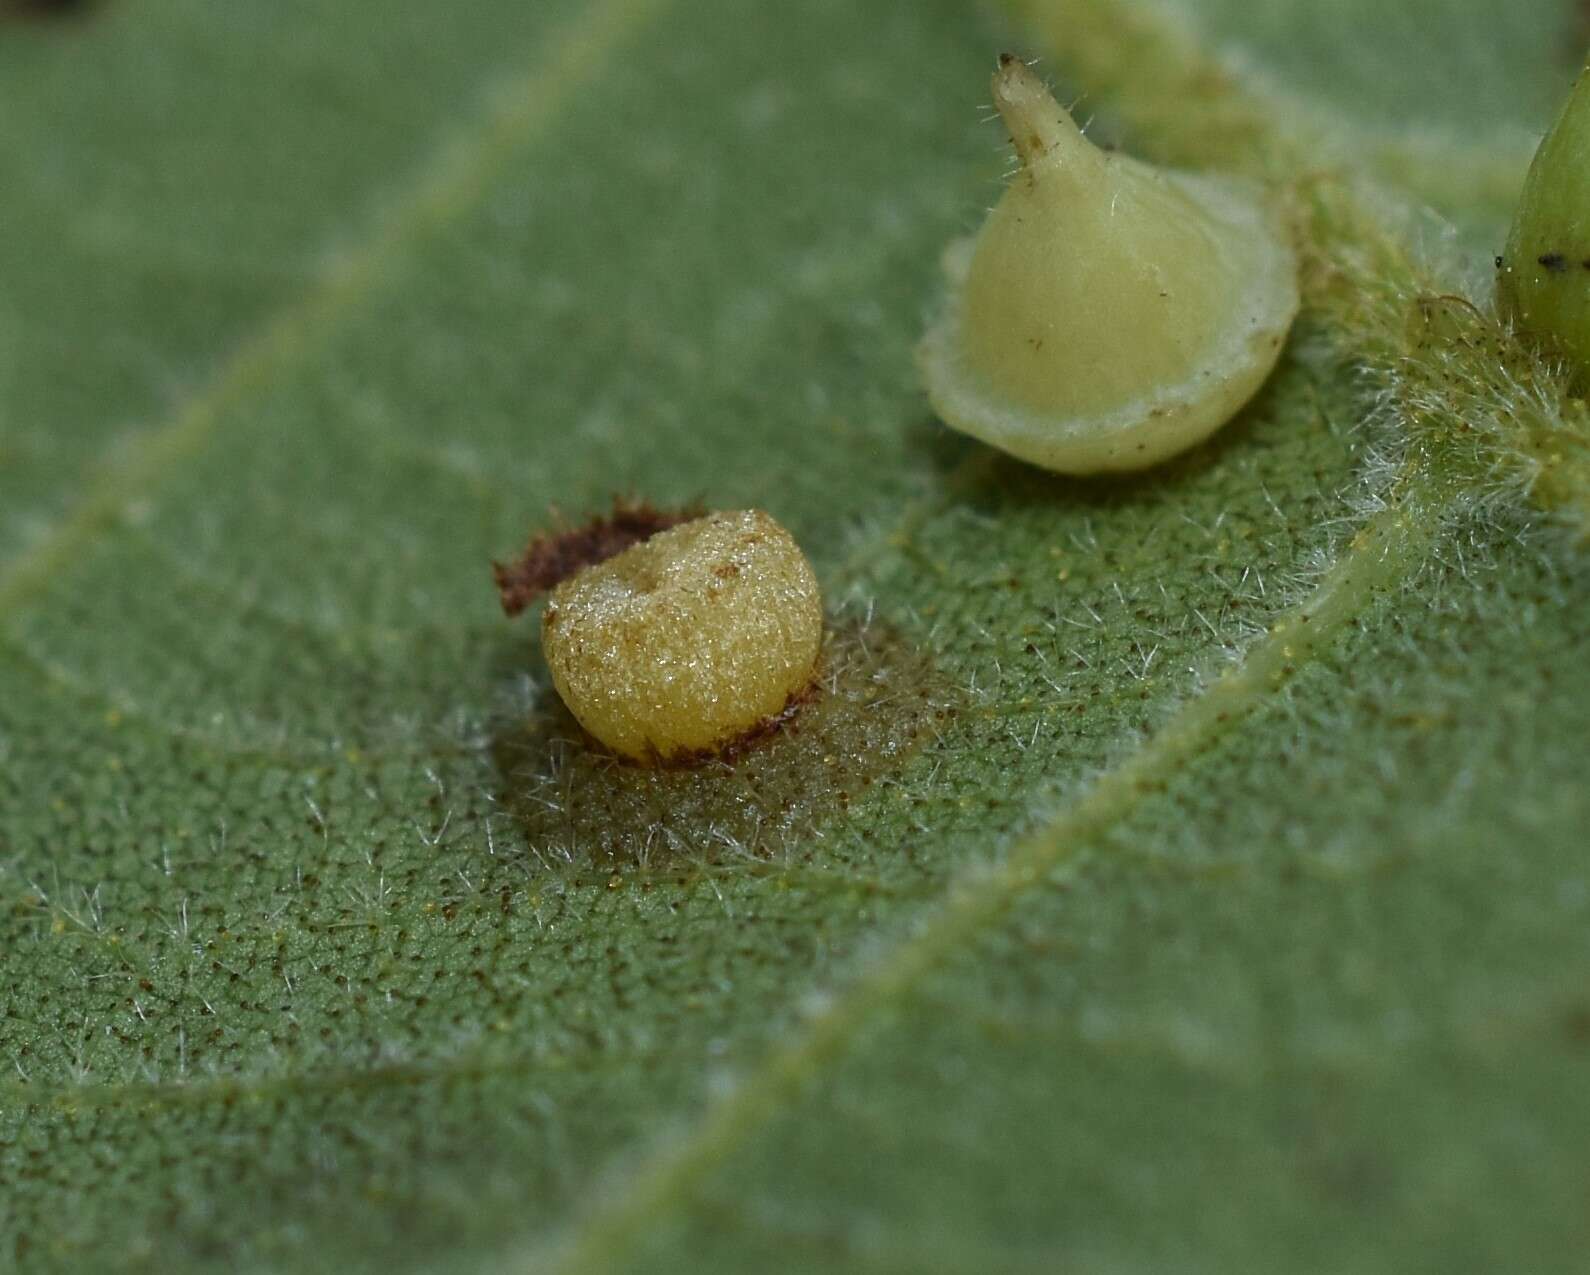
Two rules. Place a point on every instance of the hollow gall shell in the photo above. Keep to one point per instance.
(1108, 314)
(683, 644)
(1543, 278)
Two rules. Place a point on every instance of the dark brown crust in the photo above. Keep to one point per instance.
(553, 556)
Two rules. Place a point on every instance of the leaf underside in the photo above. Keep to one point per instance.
(1185, 872)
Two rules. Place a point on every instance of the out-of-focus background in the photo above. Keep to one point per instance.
(329, 943)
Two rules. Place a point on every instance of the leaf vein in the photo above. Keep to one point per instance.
(453, 183)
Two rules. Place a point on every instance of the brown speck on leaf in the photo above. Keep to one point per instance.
(553, 556)
(1553, 261)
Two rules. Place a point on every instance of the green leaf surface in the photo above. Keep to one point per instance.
(1181, 873)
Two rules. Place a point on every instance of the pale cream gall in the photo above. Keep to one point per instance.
(1109, 314)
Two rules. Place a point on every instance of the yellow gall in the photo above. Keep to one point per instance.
(688, 641)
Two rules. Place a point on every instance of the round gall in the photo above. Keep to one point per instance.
(688, 641)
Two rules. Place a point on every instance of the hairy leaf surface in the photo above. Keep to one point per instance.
(1184, 872)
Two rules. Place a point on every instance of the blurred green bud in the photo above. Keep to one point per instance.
(1543, 279)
